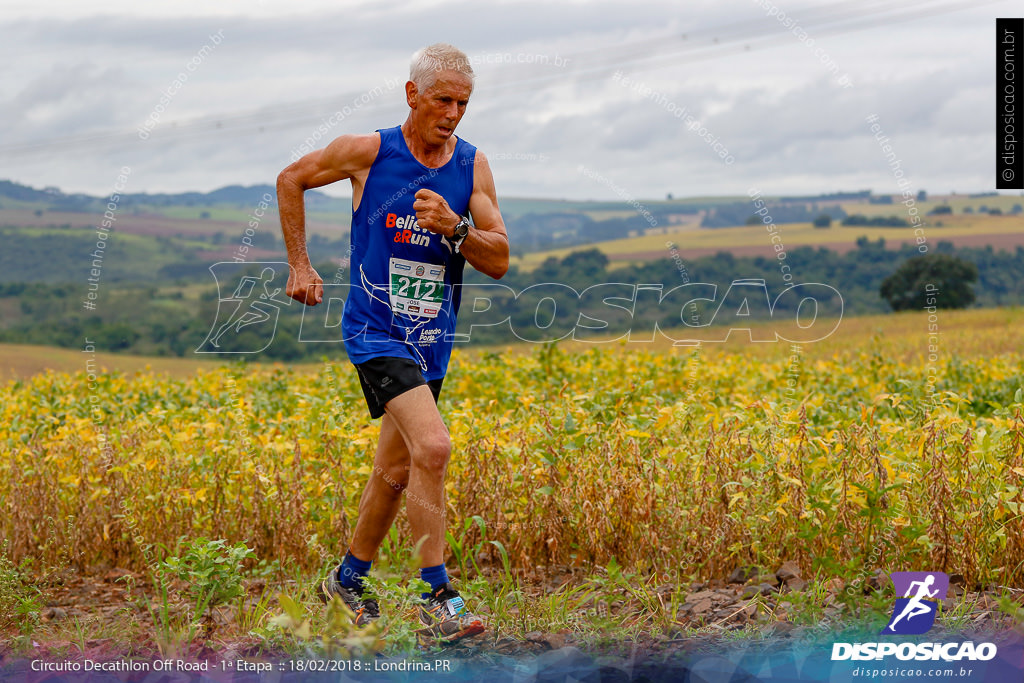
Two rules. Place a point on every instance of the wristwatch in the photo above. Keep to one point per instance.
(460, 233)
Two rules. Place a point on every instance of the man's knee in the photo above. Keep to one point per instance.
(432, 453)
(396, 477)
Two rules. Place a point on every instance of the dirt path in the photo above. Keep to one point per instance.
(105, 616)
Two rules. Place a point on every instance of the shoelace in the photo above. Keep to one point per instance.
(369, 606)
(372, 608)
(445, 594)
(441, 604)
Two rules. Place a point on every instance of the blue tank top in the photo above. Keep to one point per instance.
(405, 279)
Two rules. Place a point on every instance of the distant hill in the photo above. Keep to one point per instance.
(176, 235)
(24, 193)
(237, 195)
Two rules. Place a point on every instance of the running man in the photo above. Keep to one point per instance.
(914, 606)
(257, 312)
(413, 188)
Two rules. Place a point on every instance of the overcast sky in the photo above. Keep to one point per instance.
(553, 108)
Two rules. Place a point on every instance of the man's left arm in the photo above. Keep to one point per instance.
(486, 245)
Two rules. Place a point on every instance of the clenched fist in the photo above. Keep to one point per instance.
(434, 214)
(305, 285)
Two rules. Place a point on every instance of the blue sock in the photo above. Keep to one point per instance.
(435, 576)
(352, 571)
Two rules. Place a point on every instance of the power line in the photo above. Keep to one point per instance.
(712, 43)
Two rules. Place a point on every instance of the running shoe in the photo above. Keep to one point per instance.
(366, 610)
(446, 617)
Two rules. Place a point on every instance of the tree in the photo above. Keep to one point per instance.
(116, 336)
(823, 221)
(587, 263)
(938, 280)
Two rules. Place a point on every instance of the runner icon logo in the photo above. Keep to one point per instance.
(914, 613)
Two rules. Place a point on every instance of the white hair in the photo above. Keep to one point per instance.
(432, 60)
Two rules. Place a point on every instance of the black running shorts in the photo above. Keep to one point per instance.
(386, 377)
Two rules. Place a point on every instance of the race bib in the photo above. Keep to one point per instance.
(416, 288)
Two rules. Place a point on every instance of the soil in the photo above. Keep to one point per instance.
(109, 622)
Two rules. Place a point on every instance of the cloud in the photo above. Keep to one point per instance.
(65, 99)
(282, 68)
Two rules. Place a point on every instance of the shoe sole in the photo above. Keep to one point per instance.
(474, 629)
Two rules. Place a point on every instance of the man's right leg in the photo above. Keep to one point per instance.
(412, 452)
(382, 496)
(377, 510)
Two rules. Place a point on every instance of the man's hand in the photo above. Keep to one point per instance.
(305, 285)
(434, 214)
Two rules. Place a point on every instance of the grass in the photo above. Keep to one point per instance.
(610, 608)
(19, 599)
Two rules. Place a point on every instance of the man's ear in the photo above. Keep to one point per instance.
(411, 92)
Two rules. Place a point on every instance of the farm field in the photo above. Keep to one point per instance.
(984, 331)
(958, 202)
(22, 361)
(171, 221)
(595, 491)
(1006, 232)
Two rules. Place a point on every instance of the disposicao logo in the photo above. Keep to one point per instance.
(914, 614)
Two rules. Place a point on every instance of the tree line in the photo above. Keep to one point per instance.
(145, 319)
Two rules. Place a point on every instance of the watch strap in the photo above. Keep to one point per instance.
(457, 241)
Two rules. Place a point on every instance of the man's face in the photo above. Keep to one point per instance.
(439, 108)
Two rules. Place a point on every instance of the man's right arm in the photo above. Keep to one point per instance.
(348, 157)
